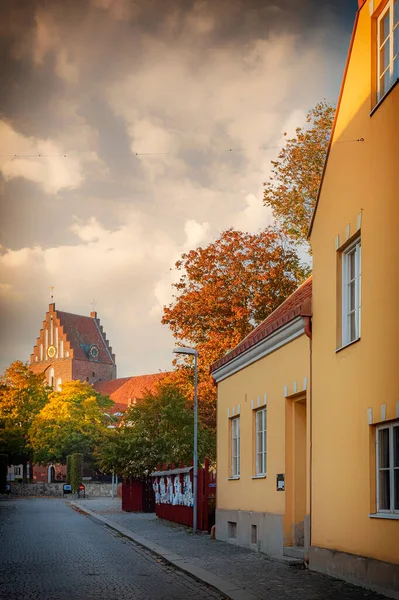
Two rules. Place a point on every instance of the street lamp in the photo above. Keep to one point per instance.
(113, 472)
(193, 352)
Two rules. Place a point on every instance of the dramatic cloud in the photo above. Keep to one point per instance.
(143, 129)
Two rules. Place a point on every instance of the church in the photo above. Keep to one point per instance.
(72, 347)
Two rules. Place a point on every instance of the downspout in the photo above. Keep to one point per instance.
(307, 324)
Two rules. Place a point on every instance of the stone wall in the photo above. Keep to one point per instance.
(55, 489)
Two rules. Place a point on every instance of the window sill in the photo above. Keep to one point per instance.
(347, 345)
(233, 478)
(377, 106)
(259, 476)
(393, 516)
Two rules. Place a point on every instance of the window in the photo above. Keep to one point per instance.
(51, 377)
(17, 471)
(351, 292)
(58, 384)
(388, 47)
(235, 447)
(260, 417)
(388, 468)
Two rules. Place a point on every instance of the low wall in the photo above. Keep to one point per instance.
(55, 489)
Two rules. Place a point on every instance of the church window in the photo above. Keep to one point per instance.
(51, 377)
(61, 349)
(41, 351)
(58, 384)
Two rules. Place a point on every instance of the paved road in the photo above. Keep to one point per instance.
(50, 552)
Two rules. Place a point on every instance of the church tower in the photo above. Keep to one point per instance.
(72, 347)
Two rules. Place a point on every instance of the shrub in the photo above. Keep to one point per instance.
(75, 471)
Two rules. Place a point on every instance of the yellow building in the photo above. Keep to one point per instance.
(355, 367)
(263, 433)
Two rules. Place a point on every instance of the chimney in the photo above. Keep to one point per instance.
(93, 314)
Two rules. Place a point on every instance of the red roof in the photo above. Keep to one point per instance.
(84, 332)
(296, 304)
(128, 390)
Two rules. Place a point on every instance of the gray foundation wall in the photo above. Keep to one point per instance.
(369, 573)
(55, 489)
(258, 531)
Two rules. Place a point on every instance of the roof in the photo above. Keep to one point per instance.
(126, 390)
(297, 304)
(84, 332)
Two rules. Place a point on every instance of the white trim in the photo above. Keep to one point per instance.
(383, 412)
(371, 7)
(397, 409)
(228, 413)
(389, 41)
(384, 516)
(285, 391)
(359, 220)
(261, 452)
(336, 242)
(259, 476)
(252, 404)
(370, 416)
(258, 401)
(265, 400)
(295, 387)
(235, 458)
(348, 231)
(391, 468)
(233, 411)
(239, 409)
(277, 339)
(305, 383)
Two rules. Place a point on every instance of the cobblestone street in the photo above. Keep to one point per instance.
(50, 552)
(251, 571)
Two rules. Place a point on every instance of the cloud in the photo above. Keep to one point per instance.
(168, 114)
(40, 161)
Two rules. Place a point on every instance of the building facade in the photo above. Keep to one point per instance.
(355, 381)
(72, 347)
(263, 433)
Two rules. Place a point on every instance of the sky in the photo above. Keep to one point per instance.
(142, 129)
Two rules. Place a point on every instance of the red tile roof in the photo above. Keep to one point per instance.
(127, 390)
(84, 331)
(296, 304)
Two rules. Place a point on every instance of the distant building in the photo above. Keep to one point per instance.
(127, 391)
(72, 347)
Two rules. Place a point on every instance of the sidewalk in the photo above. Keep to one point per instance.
(238, 573)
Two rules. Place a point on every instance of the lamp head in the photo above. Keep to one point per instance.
(184, 350)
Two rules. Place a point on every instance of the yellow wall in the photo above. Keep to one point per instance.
(361, 177)
(268, 375)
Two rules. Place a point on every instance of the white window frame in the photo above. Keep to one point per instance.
(392, 468)
(260, 448)
(347, 310)
(389, 9)
(235, 447)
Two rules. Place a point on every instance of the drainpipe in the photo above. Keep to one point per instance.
(307, 324)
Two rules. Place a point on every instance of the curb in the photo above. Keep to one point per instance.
(228, 589)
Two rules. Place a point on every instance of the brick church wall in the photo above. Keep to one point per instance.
(92, 371)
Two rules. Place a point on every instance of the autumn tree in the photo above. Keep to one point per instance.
(224, 291)
(157, 430)
(22, 396)
(293, 185)
(72, 421)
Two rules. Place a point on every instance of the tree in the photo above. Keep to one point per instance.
(157, 430)
(22, 396)
(224, 291)
(292, 188)
(72, 422)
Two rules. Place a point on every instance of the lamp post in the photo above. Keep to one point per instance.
(193, 352)
(113, 471)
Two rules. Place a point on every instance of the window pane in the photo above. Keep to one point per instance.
(396, 489)
(352, 266)
(384, 490)
(352, 327)
(384, 57)
(395, 432)
(383, 448)
(384, 28)
(352, 295)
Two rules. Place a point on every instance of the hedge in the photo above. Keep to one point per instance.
(3, 472)
(75, 471)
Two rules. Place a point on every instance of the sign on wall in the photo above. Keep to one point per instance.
(280, 482)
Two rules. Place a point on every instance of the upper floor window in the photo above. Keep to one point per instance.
(351, 292)
(235, 447)
(388, 47)
(388, 468)
(261, 442)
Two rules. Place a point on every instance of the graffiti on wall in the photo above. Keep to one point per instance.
(173, 489)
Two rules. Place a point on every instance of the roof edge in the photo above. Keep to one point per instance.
(341, 92)
(278, 338)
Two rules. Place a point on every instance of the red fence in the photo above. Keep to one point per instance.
(174, 496)
(138, 495)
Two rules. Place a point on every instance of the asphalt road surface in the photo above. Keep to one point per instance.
(48, 551)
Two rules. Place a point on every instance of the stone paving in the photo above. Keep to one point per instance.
(50, 552)
(249, 570)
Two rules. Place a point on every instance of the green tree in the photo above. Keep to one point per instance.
(224, 291)
(72, 422)
(158, 430)
(292, 188)
(22, 396)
